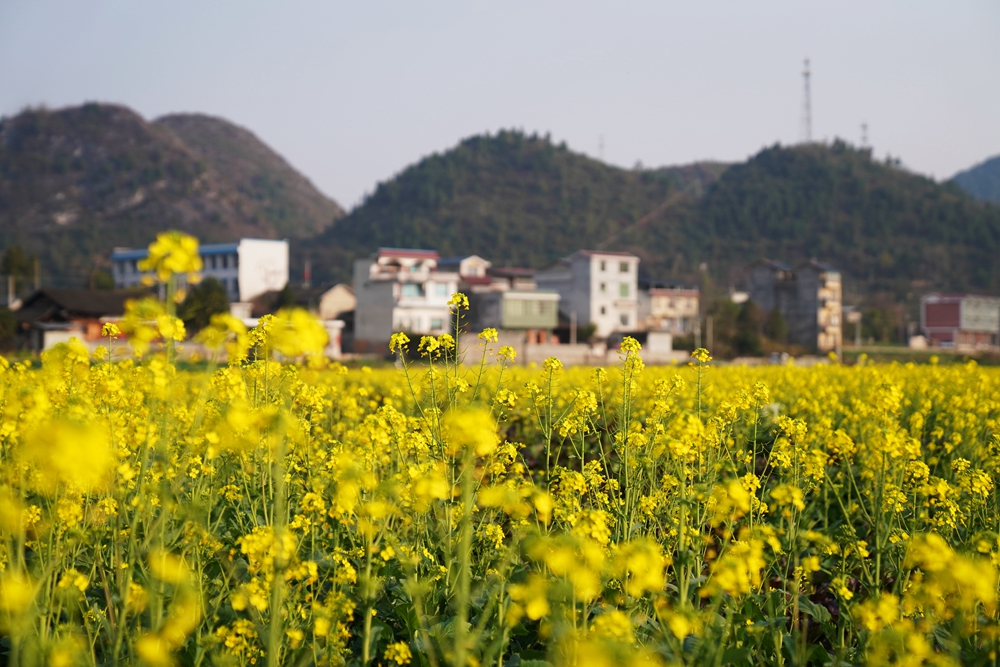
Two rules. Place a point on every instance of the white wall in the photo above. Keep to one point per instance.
(263, 267)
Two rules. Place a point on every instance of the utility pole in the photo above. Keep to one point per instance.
(806, 106)
(38, 273)
(864, 135)
(572, 327)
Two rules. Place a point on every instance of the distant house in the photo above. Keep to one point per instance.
(528, 314)
(961, 320)
(400, 289)
(247, 268)
(670, 307)
(596, 287)
(50, 315)
(808, 297)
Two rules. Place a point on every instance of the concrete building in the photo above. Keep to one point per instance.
(808, 296)
(596, 287)
(668, 307)
(247, 268)
(962, 321)
(531, 315)
(400, 289)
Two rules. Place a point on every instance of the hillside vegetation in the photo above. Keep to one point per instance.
(76, 182)
(286, 198)
(514, 198)
(981, 181)
(520, 199)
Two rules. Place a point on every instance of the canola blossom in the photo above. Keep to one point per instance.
(445, 514)
(278, 509)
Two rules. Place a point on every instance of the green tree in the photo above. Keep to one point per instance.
(101, 279)
(286, 298)
(775, 327)
(8, 328)
(747, 342)
(19, 265)
(204, 300)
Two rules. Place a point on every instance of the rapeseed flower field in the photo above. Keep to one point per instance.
(278, 509)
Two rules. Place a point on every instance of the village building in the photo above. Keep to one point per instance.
(400, 289)
(50, 315)
(599, 288)
(962, 321)
(666, 306)
(246, 268)
(808, 297)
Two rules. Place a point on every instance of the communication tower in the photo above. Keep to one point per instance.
(806, 107)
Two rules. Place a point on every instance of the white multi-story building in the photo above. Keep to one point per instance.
(596, 287)
(400, 289)
(247, 268)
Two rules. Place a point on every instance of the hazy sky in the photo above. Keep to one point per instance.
(352, 92)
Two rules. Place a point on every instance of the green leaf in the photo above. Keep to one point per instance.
(819, 613)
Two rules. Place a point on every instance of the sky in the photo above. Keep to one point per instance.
(351, 93)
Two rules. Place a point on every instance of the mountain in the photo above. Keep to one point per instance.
(981, 181)
(523, 200)
(514, 198)
(78, 181)
(286, 198)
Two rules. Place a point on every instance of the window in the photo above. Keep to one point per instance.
(604, 287)
(236, 261)
(604, 265)
(624, 320)
(441, 289)
(623, 289)
(413, 289)
(623, 267)
(436, 323)
(604, 310)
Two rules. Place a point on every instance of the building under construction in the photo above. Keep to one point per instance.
(808, 297)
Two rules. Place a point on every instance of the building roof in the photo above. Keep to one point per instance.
(510, 271)
(203, 249)
(612, 253)
(52, 302)
(649, 284)
(937, 296)
(459, 260)
(819, 266)
(408, 252)
(773, 264)
(477, 280)
(219, 248)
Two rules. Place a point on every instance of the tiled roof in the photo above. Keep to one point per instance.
(75, 303)
(408, 252)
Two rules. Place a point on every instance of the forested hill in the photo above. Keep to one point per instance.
(522, 200)
(76, 182)
(982, 181)
(286, 198)
(887, 228)
(514, 198)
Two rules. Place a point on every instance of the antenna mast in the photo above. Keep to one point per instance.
(806, 107)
